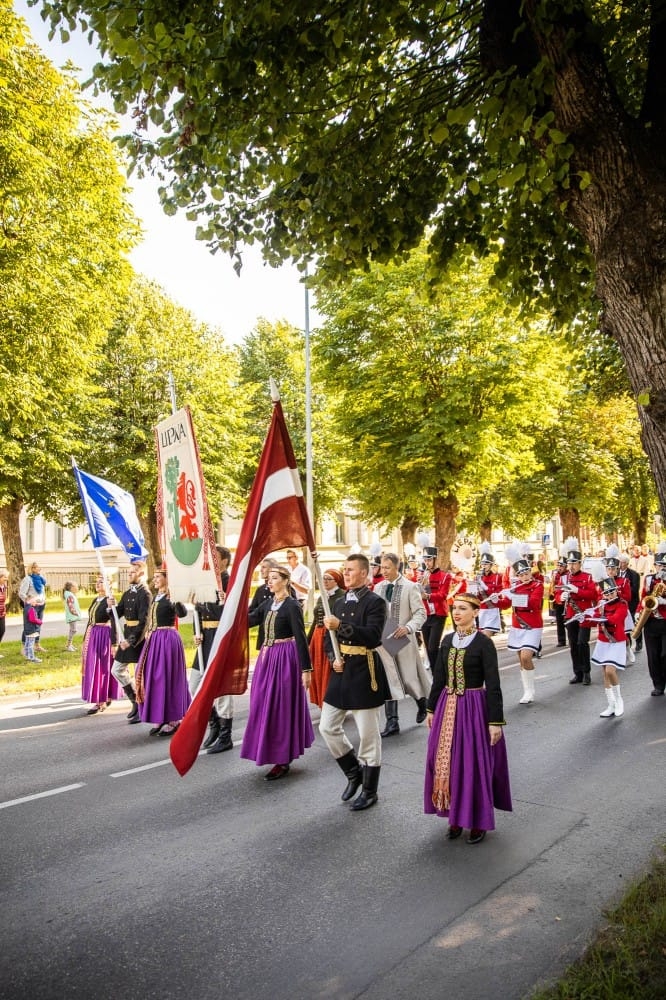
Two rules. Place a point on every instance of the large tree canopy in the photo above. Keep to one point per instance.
(150, 338)
(276, 351)
(535, 129)
(434, 406)
(65, 228)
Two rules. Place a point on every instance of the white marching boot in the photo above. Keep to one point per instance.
(527, 677)
(630, 653)
(607, 712)
(619, 704)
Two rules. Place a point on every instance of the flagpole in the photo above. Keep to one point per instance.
(309, 492)
(172, 392)
(275, 398)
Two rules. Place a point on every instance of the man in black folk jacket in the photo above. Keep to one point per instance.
(357, 683)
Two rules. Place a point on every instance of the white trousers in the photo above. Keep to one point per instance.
(121, 672)
(369, 731)
(224, 705)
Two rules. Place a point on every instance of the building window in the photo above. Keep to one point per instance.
(340, 529)
(59, 536)
(30, 534)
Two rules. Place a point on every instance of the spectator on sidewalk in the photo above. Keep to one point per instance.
(33, 585)
(301, 577)
(72, 612)
(31, 626)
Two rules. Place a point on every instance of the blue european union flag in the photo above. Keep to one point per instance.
(111, 514)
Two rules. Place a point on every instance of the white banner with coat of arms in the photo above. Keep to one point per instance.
(183, 520)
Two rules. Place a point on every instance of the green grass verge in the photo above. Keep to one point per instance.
(58, 669)
(627, 959)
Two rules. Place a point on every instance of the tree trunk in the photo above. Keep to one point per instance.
(11, 539)
(570, 521)
(445, 511)
(486, 531)
(408, 530)
(621, 214)
(641, 528)
(149, 527)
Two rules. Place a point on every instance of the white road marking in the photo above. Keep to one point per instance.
(41, 795)
(144, 767)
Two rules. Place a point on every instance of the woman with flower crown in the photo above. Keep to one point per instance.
(467, 773)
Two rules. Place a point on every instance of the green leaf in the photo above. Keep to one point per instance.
(440, 133)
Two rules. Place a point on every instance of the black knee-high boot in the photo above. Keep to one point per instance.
(133, 714)
(350, 765)
(368, 795)
(213, 729)
(392, 724)
(224, 740)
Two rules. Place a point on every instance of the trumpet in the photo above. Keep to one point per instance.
(650, 604)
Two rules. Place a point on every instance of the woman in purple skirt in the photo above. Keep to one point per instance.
(161, 674)
(467, 773)
(279, 728)
(99, 686)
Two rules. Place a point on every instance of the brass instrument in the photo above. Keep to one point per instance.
(424, 583)
(650, 604)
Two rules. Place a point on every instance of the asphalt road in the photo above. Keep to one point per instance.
(119, 879)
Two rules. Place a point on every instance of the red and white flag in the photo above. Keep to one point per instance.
(276, 518)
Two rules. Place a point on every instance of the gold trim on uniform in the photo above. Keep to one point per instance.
(363, 651)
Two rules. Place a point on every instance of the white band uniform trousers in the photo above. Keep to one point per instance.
(369, 730)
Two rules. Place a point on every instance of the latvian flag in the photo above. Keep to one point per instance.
(276, 518)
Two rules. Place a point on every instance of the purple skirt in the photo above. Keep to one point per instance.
(166, 694)
(479, 780)
(98, 683)
(279, 727)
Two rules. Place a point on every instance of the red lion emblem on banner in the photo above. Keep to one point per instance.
(186, 498)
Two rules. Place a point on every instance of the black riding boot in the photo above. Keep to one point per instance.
(392, 725)
(350, 765)
(133, 714)
(422, 705)
(368, 796)
(213, 729)
(224, 740)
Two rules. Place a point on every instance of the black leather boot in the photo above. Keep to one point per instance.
(133, 714)
(422, 710)
(224, 740)
(368, 795)
(350, 765)
(392, 725)
(213, 729)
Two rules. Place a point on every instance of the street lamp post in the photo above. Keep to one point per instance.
(309, 500)
(308, 409)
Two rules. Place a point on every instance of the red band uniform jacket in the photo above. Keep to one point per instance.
(530, 616)
(586, 596)
(615, 614)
